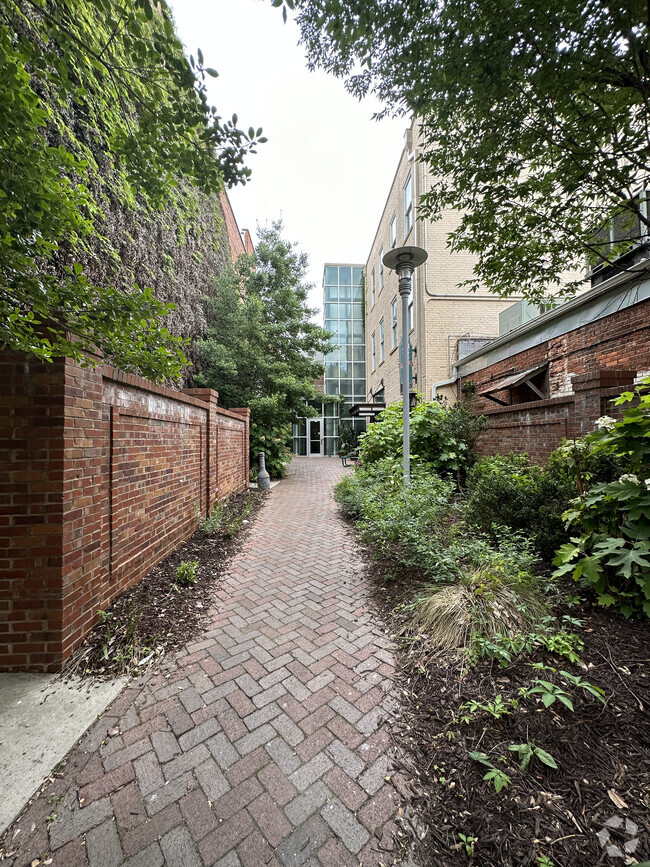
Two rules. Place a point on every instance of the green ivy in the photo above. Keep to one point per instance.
(101, 114)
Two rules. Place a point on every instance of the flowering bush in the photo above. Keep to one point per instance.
(612, 551)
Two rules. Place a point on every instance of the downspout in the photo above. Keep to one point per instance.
(443, 382)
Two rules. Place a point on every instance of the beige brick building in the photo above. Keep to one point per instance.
(445, 319)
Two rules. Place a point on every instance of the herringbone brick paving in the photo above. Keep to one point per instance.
(260, 743)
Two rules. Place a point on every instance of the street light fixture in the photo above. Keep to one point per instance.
(404, 260)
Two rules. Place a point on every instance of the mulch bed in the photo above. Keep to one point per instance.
(158, 615)
(602, 752)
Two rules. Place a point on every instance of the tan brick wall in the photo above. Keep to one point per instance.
(438, 322)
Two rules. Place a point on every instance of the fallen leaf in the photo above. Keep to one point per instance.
(616, 799)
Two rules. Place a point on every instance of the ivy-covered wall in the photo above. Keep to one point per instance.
(111, 165)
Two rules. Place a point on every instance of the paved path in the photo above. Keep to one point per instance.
(261, 743)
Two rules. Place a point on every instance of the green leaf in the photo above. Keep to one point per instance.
(545, 758)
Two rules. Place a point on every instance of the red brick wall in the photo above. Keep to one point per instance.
(587, 368)
(101, 476)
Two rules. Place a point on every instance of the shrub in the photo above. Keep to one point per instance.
(408, 526)
(509, 491)
(442, 436)
(493, 596)
(611, 552)
(274, 442)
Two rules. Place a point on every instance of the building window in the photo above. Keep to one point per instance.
(393, 323)
(393, 232)
(381, 269)
(381, 341)
(408, 204)
(373, 351)
(372, 289)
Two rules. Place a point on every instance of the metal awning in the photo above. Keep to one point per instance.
(511, 382)
(367, 410)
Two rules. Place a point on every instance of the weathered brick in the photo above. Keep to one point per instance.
(277, 784)
(270, 819)
(197, 814)
(103, 846)
(106, 784)
(344, 825)
(177, 847)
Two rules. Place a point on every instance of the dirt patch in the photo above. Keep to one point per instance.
(161, 613)
(602, 751)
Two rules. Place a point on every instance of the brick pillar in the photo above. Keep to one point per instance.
(589, 391)
(245, 413)
(31, 513)
(211, 398)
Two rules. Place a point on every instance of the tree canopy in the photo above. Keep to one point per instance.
(536, 118)
(262, 349)
(99, 109)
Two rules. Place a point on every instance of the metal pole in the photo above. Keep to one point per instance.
(405, 291)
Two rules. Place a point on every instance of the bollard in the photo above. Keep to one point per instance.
(263, 478)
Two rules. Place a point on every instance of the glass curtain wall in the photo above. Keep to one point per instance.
(345, 365)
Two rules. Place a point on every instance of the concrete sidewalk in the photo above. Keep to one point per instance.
(260, 743)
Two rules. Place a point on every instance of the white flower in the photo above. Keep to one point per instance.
(630, 477)
(647, 484)
(605, 422)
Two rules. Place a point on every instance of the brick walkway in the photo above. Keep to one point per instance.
(260, 744)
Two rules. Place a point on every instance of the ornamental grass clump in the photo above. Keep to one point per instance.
(492, 597)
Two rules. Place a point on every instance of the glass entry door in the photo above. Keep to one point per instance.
(315, 437)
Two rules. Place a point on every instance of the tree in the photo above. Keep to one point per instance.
(261, 349)
(98, 107)
(536, 119)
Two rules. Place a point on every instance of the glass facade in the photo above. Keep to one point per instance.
(345, 365)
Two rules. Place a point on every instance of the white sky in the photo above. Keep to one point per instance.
(327, 167)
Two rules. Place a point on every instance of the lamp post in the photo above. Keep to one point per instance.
(404, 260)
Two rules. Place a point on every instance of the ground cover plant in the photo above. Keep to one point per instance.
(166, 608)
(525, 726)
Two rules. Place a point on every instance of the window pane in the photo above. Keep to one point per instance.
(300, 447)
(344, 293)
(331, 293)
(346, 387)
(331, 311)
(357, 292)
(332, 387)
(358, 331)
(331, 276)
(331, 409)
(345, 368)
(345, 310)
(331, 446)
(358, 353)
(330, 324)
(332, 370)
(357, 311)
(360, 371)
(345, 276)
(357, 274)
(330, 427)
(300, 428)
(344, 332)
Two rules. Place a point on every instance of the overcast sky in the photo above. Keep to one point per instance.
(327, 167)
